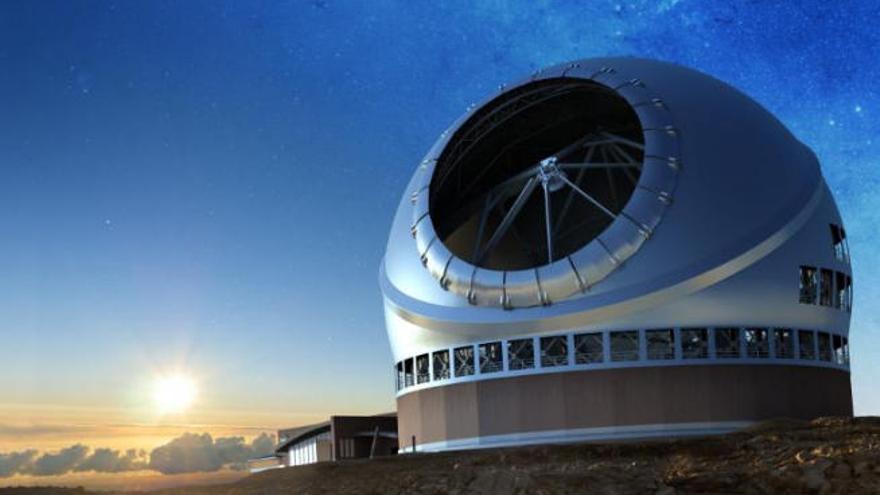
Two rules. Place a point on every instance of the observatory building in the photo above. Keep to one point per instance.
(612, 249)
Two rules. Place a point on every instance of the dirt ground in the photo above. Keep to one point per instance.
(826, 456)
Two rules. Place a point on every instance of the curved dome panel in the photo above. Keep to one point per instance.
(544, 190)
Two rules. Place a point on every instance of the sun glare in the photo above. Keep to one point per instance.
(174, 394)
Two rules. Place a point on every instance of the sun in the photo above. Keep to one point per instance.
(174, 393)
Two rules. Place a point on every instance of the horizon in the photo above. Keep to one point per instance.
(196, 197)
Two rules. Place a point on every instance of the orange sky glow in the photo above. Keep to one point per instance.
(44, 428)
(50, 428)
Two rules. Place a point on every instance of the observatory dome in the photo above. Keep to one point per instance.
(599, 221)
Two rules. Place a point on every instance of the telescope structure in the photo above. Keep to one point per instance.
(613, 249)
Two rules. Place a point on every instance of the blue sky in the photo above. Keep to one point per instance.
(208, 185)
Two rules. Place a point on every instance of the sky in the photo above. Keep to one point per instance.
(205, 188)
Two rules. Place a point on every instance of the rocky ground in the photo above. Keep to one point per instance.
(826, 456)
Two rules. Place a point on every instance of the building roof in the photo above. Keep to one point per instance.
(291, 436)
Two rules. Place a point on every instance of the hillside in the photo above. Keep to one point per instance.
(829, 455)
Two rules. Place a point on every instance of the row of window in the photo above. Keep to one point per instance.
(825, 287)
(305, 452)
(620, 347)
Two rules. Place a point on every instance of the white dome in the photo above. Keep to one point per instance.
(720, 186)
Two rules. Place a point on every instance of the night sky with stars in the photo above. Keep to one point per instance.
(209, 185)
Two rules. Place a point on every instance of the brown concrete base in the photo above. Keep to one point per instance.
(621, 397)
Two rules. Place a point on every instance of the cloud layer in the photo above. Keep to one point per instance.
(188, 453)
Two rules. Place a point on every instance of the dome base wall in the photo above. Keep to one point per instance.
(616, 404)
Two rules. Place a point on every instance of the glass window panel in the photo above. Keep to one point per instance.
(423, 373)
(441, 365)
(554, 351)
(491, 360)
(694, 343)
(826, 287)
(837, 349)
(625, 345)
(757, 343)
(464, 361)
(400, 377)
(727, 342)
(849, 293)
(784, 342)
(839, 290)
(807, 344)
(837, 242)
(588, 348)
(845, 350)
(843, 291)
(408, 372)
(824, 346)
(660, 343)
(520, 354)
(809, 284)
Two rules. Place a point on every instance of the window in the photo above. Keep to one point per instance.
(625, 345)
(441, 365)
(843, 288)
(849, 293)
(845, 351)
(400, 377)
(757, 343)
(826, 288)
(809, 282)
(346, 448)
(554, 351)
(661, 344)
(520, 354)
(491, 360)
(408, 372)
(824, 346)
(588, 348)
(834, 288)
(727, 342)
(694, 343)
(837, 349)
(423, 374)
(784, 341)
(807, 343)
(839, 243)
(464, 361)
(303, 452)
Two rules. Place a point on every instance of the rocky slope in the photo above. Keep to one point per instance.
(829, 455)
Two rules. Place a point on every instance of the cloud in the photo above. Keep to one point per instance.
(188, 453)
(59, 463)
(192, 452)
(263, 445)
(113, 461)
(16, 462)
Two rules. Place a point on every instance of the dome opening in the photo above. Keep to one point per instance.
(536, 174)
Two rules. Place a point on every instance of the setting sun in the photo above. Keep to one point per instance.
(174, 394)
